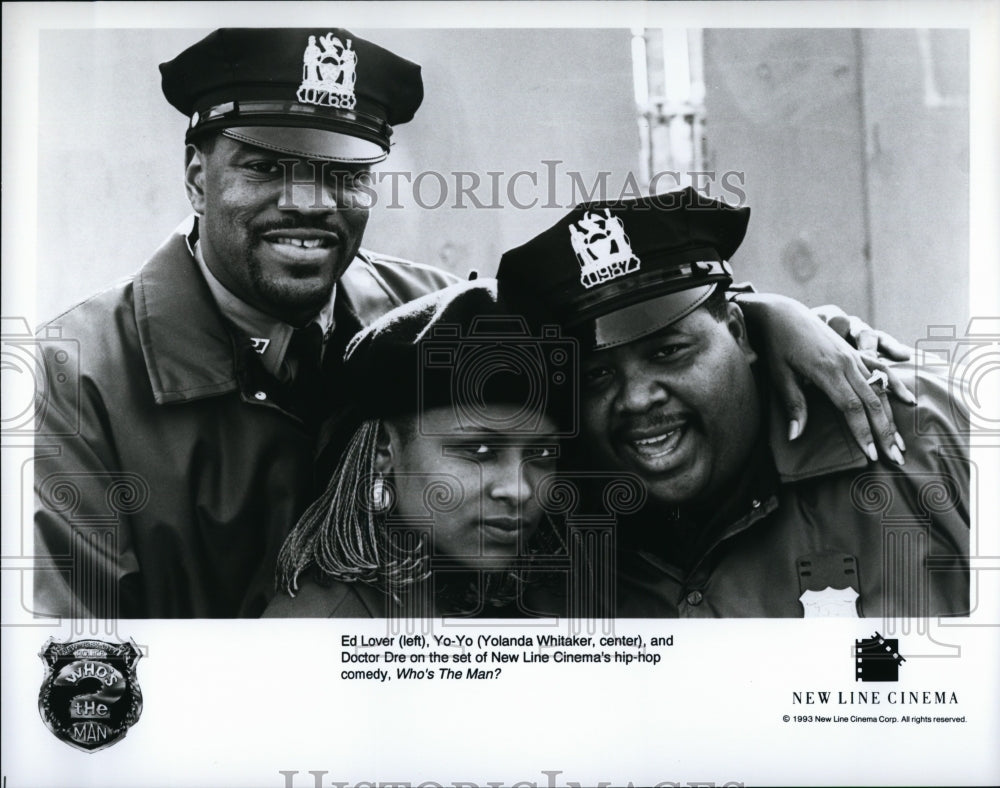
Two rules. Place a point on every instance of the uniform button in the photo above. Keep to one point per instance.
(260, 395)
(755, 503)
(695, 597)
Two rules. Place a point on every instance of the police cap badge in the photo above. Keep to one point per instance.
(616, 271)
(314, 93)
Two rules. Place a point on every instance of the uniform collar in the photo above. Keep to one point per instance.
(268, 336)
(189, 348)
(825, 446)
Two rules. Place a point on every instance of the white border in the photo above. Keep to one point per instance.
(232, 703)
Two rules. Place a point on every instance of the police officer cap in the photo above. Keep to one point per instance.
(611, 272)
(320, 93)
(461, 347)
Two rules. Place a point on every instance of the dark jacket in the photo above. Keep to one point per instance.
(337, 600)
(167, 470)
(543, 596)
(886, 540)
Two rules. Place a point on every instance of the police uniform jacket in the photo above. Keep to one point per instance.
(339, 599)
(822, 531)
(169, 465)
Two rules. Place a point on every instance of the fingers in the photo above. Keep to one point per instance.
(828, 312)
(899, 389)
(793, 399)
(863, 336)
(840, 323)
(843, 379)
(869, 415)
(856, 410)
(895, 450)
(866, 340)
(896, 386)
(823, 358)
(890, 347)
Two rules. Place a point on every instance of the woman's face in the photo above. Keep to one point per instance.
(476, 490)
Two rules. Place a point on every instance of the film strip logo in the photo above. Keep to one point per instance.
(877, 659)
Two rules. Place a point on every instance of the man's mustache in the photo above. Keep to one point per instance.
(297, 223)
(647, 424)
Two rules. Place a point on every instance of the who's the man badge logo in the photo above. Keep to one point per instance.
(90, 696)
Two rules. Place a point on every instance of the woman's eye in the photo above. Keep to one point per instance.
(540, 453)
(477, 452)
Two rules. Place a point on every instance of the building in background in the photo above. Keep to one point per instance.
(851, 146)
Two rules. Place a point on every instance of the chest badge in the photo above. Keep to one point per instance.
(828, 584)
(830, 603)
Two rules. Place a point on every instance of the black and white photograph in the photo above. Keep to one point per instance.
(501, 394)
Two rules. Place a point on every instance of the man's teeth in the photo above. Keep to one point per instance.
(658, 444)
(303, 243)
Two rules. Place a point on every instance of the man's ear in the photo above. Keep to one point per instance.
(737, 326)
(194, 178)
(386, 445)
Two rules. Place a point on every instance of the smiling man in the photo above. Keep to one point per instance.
(283, 262)
(687, 415)
(742, 517)
(173, 460)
